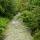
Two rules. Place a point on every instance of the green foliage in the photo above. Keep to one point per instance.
(35, 2)
(20, 5)
(31, 4)
(29, 18)
(37, 36)
(32, 20)
(6, 9)
(3, 23)
(30, 13)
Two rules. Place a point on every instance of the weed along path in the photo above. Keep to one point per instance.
(17, 31)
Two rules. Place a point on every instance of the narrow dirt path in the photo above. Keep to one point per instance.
(17, 31)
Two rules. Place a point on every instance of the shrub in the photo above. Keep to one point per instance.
(32, 20)
(3, 23)
(35, 2)
(6, 9)
(37, 36)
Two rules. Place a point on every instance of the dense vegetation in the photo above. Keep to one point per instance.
(30, 13)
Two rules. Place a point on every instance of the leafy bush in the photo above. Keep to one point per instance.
(20, 5)
(35, 2)
(3, 23)
(37, 36)
(6, 9)
(32, 20)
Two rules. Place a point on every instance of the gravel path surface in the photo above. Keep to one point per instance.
(17, 31)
